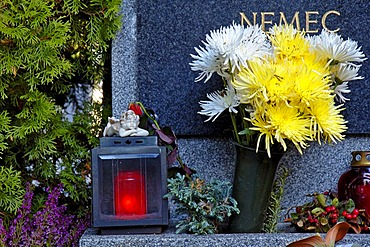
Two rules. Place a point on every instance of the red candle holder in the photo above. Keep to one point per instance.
(355, 183)
(130, 195)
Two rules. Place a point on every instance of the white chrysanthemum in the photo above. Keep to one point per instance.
(229, 48)
(346, 72)
(219, 102)
(207, 62)
(341, 89)
(332, 46)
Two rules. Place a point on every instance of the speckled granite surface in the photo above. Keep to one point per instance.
(91, 238)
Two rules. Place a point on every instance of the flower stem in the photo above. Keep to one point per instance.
(233, 120)
(149, 116)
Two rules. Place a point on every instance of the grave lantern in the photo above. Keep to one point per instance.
(129, 182)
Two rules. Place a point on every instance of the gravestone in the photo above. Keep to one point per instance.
(150, 63)
(151, 55)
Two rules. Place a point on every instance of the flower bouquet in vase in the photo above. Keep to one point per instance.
(279, 87)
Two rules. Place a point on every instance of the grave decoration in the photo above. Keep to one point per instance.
(129, 171)
(325, 211)
(129, 182)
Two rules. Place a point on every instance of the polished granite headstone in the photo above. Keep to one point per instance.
(151, 55)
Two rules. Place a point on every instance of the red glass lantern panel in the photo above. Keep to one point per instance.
(130, 195)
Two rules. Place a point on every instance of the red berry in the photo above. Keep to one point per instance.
(332, 208)
(334, 215)
(344, 213)
(355, 212)
(349, 216)
(328, 209)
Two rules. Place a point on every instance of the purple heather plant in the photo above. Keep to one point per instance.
(50, 226)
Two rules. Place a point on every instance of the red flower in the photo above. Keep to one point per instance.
(136, 109)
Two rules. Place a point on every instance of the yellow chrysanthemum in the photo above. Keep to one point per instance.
(280, 88)
(266, 131)
(250, 83)
(310, 85)
(289, 124)
(281, 122)
(327, 122)
(262, 82)
(314, 62)
(288, 42)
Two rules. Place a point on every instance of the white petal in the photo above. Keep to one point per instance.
(228, 49)
(340, 90)
(219, 102)
(333, 47)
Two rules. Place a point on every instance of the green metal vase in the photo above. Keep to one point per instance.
(253, 181)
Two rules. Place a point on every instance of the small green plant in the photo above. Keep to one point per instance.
(274, 209)
(207, 205)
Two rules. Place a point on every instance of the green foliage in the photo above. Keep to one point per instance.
(49, 52)
(207, 205)
(274, 209)
(11, 190)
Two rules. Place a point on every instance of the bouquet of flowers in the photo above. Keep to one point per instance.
(279, 86)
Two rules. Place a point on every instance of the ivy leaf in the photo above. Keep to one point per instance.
(335, 202)
(317, 211)
(350, 205)
(321, 199)
(294, 215)
(323, 221)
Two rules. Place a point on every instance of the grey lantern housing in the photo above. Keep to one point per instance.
(129, 178)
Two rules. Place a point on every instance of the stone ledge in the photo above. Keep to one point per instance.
(169, 238)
